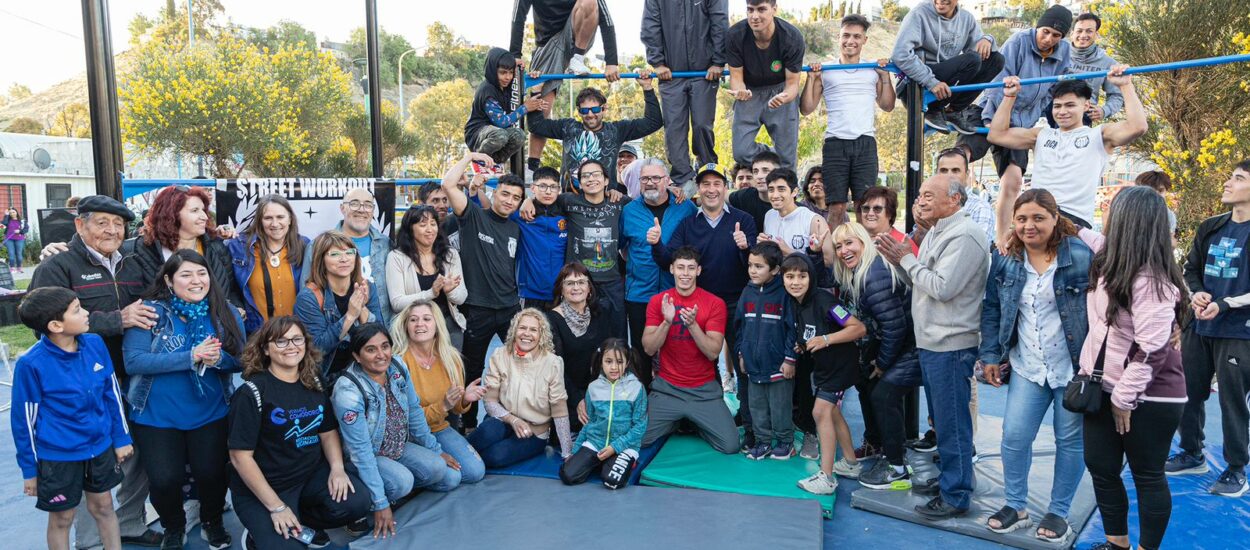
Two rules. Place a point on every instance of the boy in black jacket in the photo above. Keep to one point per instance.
(494, 121)
(765, 347)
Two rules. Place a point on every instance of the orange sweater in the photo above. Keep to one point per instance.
(431, 386)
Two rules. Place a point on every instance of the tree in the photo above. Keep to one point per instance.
(397, 141)
(1030, 10)
(285, 33)
(436, 118)
(25, 125)
(73, 121)
(391, 46)
(1199, 118)
(892, 11)
(18, 92)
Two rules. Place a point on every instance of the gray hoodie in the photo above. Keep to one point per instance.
(1095, 58)
(926, 38)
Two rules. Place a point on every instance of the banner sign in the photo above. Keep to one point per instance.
(315, 201)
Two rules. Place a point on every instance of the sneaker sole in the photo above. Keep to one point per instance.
(924, 449)
(896, 485)
(775, 457)
(1191, 471)
(1231, 495)
(1022, 524)
(962, 130)
(936, 128)
(204, 537)
(834, 490)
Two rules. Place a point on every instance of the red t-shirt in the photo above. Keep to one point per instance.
(900, 236)
(681, 362)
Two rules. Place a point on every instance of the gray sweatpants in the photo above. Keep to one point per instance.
(771, 411)
(704, 406)
(689, 102)
(132, 496)
(782, 124)
(500, 143)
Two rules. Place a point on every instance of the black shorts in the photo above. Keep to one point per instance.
(60, 484)
(849, 167)
(978, 145)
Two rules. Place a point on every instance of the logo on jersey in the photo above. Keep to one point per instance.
(1081, 142)
(776, 66)
(1051, 144)
(511, 247)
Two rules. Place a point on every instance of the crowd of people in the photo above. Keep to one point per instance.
(630, 294)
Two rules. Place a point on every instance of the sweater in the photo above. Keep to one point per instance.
(1151, 372)
(431, 387)
(724, 265)
(764, 323)
(404, 288)
(948, 284)
(1022, 58)
(618, 415)
(66, 406)
(530, 388)
(926, 38)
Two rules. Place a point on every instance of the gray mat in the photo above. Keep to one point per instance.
(522, 513)
(988, 494)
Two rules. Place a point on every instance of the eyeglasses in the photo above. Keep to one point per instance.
(592, 175)
(587, 110)
(872, 209)
(576, 282)
(546, 187)
(340, 254)
(651, 179)
(358, 206)
(282, 343)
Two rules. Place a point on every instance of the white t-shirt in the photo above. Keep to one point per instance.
(795, 230)
(851, 102)
(1070, 165)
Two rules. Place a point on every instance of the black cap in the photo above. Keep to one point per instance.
(1056, 17)
(105, 204)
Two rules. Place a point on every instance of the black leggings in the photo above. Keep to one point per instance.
(887, 404)
(1146, 446)
(166, 454)
(310, 501)
(615, 471)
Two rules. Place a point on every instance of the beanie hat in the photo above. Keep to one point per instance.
(1056, 17)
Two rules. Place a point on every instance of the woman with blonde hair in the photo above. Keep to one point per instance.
(423, 344)
(336, 298)
(282, 482)
(525, 395)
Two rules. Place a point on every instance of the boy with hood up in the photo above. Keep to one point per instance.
(493, 125)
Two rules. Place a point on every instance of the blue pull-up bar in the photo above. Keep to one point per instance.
(534, 81)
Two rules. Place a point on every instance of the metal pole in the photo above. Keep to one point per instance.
(106, 142)
(914, 175)
(375, 86)
(399, 71)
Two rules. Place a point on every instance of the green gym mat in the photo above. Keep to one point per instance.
(687, 461)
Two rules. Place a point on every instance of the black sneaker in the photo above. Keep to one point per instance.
(360, 526)
(320, 540)
(927, 488)
(149, 539)
(937, 510)
(1232, 483)
(966, 121)
(748, 441)
(926, 444)
(884, 475)
(173, 539)
(937, 121)
(1185, 463)
(215, 534)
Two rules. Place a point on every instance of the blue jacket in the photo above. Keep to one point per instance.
(543, 242)
(885, 307)
(724, 264)
(243, 260)
(1023, 59)
(145, 358)
(66, 406)
(381, 248)
(618, 414)
(765, 324)
(362, 437)
(324, 322)
(1002, 300)
(643, 278)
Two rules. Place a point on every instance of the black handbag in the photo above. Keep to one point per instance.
(1084, 393)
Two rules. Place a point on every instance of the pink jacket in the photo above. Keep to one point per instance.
(1148, 375)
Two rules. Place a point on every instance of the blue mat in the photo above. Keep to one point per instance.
(1199, 519)
(547, 465)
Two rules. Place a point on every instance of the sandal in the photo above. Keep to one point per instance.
(1008, 520)
(1054, 524)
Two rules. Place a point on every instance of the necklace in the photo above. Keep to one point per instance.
(424, 362)
(275, 259)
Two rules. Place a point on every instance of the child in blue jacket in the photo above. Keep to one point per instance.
(616, 410)
(765, 324)
(67, 421)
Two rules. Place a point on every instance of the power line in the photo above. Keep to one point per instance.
(38, 24)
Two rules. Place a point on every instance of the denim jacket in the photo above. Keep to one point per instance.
(146, 357)
(362, 420)
(1005, 285)
(380, 249)
(243, 262)
(324, 321)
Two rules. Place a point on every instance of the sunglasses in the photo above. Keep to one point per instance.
(587, 110)
(873, 209)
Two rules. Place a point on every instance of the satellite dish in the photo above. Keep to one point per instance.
(42, 159)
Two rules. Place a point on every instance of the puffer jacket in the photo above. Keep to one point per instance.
(765, 324)
(617, 412)
(885, 307)
(150, 258)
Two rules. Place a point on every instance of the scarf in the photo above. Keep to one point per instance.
(1085, 55)
(196, 315)
(578, 322)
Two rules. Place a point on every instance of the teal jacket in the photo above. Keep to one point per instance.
(618, 414)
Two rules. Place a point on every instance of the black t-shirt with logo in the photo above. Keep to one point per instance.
(282, 423)
(594, 233)
(767, 67)
(488, 246)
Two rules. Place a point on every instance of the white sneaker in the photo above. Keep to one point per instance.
(819, 484)
(845, 469)
(577, 65)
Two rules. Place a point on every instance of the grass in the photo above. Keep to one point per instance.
(18, 337)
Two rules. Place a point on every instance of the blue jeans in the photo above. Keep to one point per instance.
(1027, 403)
(472, 470)
(946, 376)
(499, 445)
(418, 467)
(15, 249)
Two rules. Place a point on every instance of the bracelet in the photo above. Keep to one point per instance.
(278, 510)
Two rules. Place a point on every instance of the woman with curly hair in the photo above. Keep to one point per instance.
(525, 396)
(424, 266)
(284, 444)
